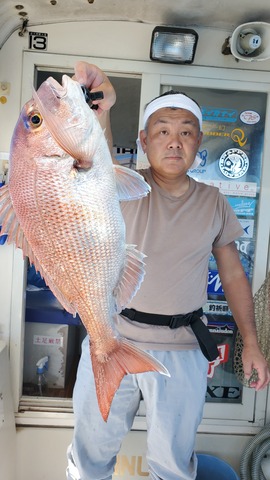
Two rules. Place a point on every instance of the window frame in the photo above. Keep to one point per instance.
(243, 417)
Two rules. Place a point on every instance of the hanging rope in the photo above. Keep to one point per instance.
(262, 320)
(250, 466)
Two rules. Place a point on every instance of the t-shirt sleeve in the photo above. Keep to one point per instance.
(230, 228)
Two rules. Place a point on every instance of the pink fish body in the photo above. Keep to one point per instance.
(61, 207)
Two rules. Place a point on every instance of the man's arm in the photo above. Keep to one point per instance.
(240, 300)
(95, 80)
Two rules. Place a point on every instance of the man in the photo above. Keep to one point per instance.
(178, 225)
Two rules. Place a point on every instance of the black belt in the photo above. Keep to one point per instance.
(193, 319)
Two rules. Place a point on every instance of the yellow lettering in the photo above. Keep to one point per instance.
(238, 136)
(128, 465)
(217, 134)
(139, 468)
(117, 466)
(123, 464)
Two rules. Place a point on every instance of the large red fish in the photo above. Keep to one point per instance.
(61, 207)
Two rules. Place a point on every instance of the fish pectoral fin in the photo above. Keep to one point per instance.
(132, 277)
(126, 358)
(130, 184)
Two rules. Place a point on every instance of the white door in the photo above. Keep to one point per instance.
(7, 420)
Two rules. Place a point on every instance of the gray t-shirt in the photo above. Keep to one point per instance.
(177, 235)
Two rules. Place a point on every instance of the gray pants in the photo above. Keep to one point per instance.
(174, 408)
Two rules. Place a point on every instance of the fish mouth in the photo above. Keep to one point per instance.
(60, 91)
(58, 105)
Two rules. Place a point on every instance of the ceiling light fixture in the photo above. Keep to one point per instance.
(173, 45)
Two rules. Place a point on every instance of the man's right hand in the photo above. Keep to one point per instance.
(95, 80)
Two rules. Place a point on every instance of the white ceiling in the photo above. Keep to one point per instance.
(221, 14)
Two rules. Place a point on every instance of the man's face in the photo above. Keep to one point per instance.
(171, 141)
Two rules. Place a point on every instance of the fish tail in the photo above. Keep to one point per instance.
(125, 358)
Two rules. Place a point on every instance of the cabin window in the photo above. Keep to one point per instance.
(233, 122)
(52, 336)
(231, 159)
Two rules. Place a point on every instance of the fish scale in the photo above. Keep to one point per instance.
(67, 219)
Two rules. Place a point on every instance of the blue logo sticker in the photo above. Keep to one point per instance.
(3, 238)
(248, 227)
(214, 283)
(243, 206)
(219, 114)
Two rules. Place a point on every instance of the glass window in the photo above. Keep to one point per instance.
(228, 404)
(231, 159)
(52, 336)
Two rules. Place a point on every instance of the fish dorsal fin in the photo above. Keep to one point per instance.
(132, 277)
(10, 226)
(130, 184)
(65, 136)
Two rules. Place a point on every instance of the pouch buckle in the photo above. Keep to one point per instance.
(180, 321)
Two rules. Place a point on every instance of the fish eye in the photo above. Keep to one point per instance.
(35, 119)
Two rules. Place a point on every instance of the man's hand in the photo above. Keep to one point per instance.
(253, 359)
(95, 80)
(239, 297)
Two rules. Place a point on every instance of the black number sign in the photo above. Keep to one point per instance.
(38, 41)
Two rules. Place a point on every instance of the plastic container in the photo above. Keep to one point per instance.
(213, 468)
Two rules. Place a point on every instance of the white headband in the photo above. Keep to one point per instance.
(177, 100)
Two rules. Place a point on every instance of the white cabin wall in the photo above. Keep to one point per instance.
(42, 452)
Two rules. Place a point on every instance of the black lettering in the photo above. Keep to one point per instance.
(211, 391)
(231, 392)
